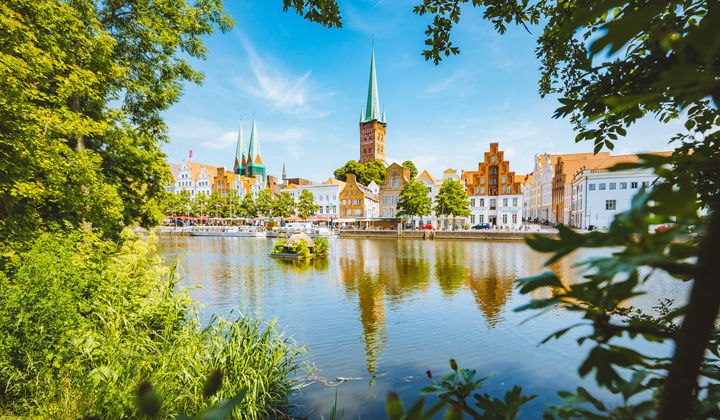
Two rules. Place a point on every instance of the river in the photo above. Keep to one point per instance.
(384, 311)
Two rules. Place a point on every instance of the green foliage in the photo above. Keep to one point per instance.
(413, 169)
(301, 248)
(306, 206)
(279, 246)
(364, 172)
(457, 391)
(83, 322)
(452, 200)
(83, 85)
(248, 208)
(322, 247)
(414, 200)
(265, 203)
(284, 206)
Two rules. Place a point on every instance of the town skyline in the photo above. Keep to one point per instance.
(307, 105)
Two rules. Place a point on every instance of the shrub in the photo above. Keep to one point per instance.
(322, 246)
(279, 247)
(83, 322)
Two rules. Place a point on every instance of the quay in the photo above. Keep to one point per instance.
(487, 235)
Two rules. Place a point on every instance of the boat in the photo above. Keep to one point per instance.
(292, 228)
(229, 231)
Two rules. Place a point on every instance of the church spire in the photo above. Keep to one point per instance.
(240, 152)
(372, 109)
(284, 175)
(254, 147)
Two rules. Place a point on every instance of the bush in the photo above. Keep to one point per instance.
(83, 322)
(301, 249)
(322, 246)
(279, 247)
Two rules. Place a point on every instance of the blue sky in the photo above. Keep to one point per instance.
(304, 84)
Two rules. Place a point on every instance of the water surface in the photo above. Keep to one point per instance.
(384, 311)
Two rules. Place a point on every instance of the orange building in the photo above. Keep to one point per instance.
(356, 200)
(493, 176)
(396, 176)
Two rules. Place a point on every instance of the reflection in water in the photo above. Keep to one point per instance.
(393, 309)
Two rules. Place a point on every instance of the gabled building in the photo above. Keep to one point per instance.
(396, 176)
(372, 124)
(195, 178)
(494, 192)
(356, 200)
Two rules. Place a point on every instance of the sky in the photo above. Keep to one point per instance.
(305, 85)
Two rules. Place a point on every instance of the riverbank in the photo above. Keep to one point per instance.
(484, 235)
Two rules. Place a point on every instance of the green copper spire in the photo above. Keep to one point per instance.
(254, 147)
(284, 175)
(240, 151)
(372, 109)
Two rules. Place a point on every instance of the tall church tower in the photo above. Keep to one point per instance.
(372, 124)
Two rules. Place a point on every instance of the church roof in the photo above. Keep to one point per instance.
(254, 147)
(240, 148)
(372, 108)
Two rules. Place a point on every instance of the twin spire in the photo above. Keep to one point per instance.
(250, 156)
(371, 111)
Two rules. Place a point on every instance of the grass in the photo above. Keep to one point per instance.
(83, 322)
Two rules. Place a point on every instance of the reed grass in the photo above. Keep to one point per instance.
(83, 322)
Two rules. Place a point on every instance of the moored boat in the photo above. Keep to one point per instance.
(229, 231)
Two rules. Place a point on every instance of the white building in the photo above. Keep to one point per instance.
(502, 211)
(326, 196)
(195, 178)
(597, 195)
(540, 194)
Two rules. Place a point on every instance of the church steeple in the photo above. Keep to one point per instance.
(372, 123)
(372, 108)
(255, 165)
(240, 152)
(284, 175)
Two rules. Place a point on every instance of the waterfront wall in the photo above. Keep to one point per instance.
(460, 234)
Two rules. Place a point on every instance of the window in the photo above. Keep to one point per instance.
(385, 201)
(482, 181)
(357, 202)
(392, 182)
(504, 219)
(514, 202)
(610, 204)
(633, 185)
(357, 212)
(321, 210)
(472, 218)
(503, 190)
(514, 219)
(493, 159)
(492, 203)
(505, 202)
(482, 202)
(504, 180)
(601, 186)
(472, 202)
(392, 199)
(591, 187)
(481, 218)
(645, 184)
(482, 190)
(623, 185)
(613, 185)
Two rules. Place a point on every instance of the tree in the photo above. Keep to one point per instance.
(265, 203)
(452, 200)
(413, 169)
(414, 200)
(612, 63)
(232, 203)
(306, 206)
(248, 207)
(201, 205)
(365, 173)
(83, 88)
(284, 206)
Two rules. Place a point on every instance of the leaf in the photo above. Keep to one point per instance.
(393, 406)
(546, 279)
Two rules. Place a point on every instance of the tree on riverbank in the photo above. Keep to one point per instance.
(265, 203)
(612, 63)
(452, 200)
(284, 205)
(306, 206)
(83, 86)
(365, 173)
(414, 200)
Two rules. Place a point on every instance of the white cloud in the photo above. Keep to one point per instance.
(225, 141)
(276, 87)
(443, 84)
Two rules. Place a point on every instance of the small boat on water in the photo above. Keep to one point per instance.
(229, 231)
